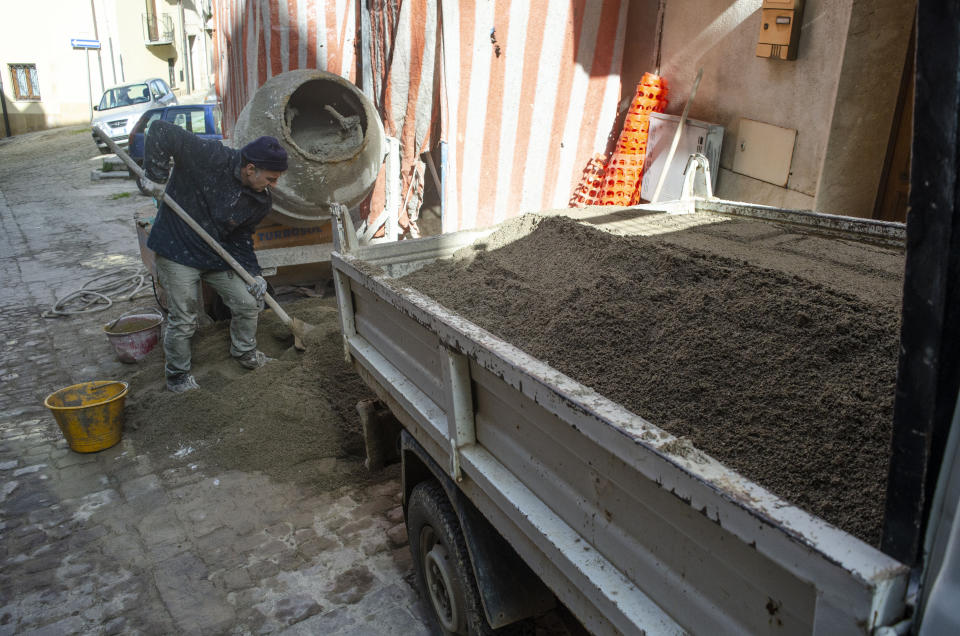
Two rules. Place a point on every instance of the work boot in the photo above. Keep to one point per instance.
(253, 359)
(181, 383)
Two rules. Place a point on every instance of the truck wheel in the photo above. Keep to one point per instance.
(442, 564)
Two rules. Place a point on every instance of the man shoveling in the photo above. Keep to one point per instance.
(226, 191)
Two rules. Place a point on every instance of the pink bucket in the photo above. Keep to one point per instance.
(134, 335)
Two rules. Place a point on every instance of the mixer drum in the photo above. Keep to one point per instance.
(334, 154)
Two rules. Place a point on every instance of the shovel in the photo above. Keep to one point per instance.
(297, 327)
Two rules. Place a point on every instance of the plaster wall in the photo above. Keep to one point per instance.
(61, 70)
(721, 37)
(840, 94)
(866, 103)
(140, 61)
(41, 35)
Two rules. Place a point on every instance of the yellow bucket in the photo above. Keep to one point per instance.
(90, 414)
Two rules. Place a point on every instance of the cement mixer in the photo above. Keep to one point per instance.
(335, 145)
(333, 136)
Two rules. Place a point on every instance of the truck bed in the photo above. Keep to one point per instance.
(627, 530)
(732, 335)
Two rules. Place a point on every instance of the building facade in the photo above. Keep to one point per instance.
(511, 118)
(55, 64)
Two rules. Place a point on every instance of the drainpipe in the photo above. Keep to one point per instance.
(366, 67)
(661, 13)
(113, 57)
(96, 36)
(187, 75)
(113, 64)
(89, 83)
(207, 62)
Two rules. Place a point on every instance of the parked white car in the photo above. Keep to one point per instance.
(120, 108)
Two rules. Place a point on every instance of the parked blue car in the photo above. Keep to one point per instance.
(203, 120)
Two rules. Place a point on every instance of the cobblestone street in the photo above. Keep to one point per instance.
(105, 543)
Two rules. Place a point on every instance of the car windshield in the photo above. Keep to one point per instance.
(124, 96)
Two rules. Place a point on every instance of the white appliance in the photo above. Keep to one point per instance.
(696, 137)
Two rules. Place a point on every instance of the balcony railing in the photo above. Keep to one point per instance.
(157, 29)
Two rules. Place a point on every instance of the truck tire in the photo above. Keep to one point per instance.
(442, 564)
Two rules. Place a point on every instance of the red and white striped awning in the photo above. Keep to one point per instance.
(512, 97)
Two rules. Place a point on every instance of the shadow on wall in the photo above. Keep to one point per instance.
(20, 117)
(5, 128)
(28, 117)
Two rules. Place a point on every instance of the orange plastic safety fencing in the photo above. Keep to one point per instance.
(616, 181)
(624, 171)
(590, 184)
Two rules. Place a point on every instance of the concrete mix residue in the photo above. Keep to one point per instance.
(295, 419)
(787, 380)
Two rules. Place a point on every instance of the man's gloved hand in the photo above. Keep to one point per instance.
(153, 188)
(258, 288)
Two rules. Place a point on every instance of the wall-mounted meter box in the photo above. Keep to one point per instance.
(780, 29)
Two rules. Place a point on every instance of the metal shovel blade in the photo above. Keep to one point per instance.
(299, 329)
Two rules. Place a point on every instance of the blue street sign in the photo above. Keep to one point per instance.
(78, 43)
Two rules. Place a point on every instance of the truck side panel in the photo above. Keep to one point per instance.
(395, 338)
(703, 572)
(612, 603)
(625, 526)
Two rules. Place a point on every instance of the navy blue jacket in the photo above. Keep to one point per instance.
(206, 183)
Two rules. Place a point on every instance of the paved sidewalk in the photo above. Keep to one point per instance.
(105, 543)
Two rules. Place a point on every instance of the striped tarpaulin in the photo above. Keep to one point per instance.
(257, 39)
(522, 93)
(405, 45)
(531, 93)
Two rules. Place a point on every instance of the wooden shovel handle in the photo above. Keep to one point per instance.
(186, 218)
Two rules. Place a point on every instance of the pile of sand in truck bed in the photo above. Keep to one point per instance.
(788, 382)
(294, 419)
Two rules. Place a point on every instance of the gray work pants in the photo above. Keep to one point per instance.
(183, 300)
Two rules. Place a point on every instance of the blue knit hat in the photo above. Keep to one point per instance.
(265, 153)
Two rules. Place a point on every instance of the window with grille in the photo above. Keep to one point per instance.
(24, 80)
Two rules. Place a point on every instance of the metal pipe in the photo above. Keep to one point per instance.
(113, 63)
(676, 139)
(96, 36)
(207, 60)
(89, 84)
(188, 75)
(661, 15)
(366, 70)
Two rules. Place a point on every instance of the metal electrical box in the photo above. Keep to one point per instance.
(763, 151)
(780, 29)
(696, 137)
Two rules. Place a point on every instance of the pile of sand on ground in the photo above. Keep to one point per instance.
(786, 381)
(294, 419)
